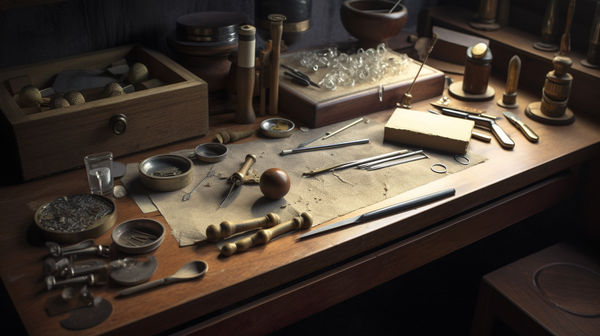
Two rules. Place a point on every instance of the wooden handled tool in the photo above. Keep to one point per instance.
(227, 228)
(263, 58)
(304, 221)
(276, 32)
(245, 75)
(238, 178)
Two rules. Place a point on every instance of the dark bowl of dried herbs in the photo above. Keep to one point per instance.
(137, 236)
(166, 172)
(71, 219)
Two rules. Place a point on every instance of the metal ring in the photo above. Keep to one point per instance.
(439, 171)
(458, 156)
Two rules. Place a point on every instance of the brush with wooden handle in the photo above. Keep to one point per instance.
(276, 33)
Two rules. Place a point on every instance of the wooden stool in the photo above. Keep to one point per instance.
(553, 292)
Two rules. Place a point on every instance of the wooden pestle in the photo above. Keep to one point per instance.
(276, 33)
(245, 75)
(304, 221)
(227, 228)
(264, 75)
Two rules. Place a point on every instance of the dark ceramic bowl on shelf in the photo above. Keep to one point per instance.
(370, 21)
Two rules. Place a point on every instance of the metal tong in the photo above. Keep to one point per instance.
(300, 77)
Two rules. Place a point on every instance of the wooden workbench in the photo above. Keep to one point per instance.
(276, 284)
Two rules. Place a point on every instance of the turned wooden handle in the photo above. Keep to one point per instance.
(238, 177)
(276, 32)
(304, 221)
(227, 228)
(245, 85)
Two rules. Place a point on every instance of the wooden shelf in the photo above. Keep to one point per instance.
(508, 41)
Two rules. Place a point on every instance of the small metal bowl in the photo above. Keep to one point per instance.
(151, 167)
(53, 219)
(140, 227)
(211, 152)
(277, 127)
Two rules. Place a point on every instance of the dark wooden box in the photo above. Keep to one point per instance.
(57, 140)
(320, 107)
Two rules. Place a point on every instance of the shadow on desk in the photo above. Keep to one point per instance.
(440, 297)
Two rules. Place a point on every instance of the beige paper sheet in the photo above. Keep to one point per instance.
(324, 196)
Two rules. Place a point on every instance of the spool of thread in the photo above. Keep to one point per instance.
(477, 69)
(245, 75)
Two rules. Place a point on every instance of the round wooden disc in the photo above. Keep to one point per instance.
(570, 287)
(485, 26)
(534, 112)
(457, 92)
(545, 46)
(585, 63)
(509, 106)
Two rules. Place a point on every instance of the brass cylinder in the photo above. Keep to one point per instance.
(487, 11)
(593, 56)
(549, 24)
(477, 69)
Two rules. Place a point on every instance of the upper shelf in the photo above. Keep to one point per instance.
(508, 41)
(458, 18)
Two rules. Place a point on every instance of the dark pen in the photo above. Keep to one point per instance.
(296, 79)
(301, 75)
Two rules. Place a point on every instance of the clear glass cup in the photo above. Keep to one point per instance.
(99, 173)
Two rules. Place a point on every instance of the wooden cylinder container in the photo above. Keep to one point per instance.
(245, 77)
(477, 69)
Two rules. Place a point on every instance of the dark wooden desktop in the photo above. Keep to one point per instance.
(510, 186)
(274, 285)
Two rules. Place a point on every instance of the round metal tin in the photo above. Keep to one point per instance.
(94, 230)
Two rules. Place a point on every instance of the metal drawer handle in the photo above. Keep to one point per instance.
(118, 124)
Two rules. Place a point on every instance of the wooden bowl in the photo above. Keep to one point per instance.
(370, 22)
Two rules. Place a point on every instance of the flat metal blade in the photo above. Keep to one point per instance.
(353, 220)
(229, 194)
(406, 205)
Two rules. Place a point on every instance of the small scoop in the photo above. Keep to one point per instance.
(191, 270)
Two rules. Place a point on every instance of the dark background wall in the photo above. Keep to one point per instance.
(56, 29)
(59, 29)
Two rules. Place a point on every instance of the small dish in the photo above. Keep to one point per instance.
(137, 236)
(60, 222)
(211, 152)
(277, 127)
(167, 172)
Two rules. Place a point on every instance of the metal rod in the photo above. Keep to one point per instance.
(373, 163)
(343, 128)
(397, 3)
(354, 162)
(312, 140)
(395, 163)
(308, 149)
